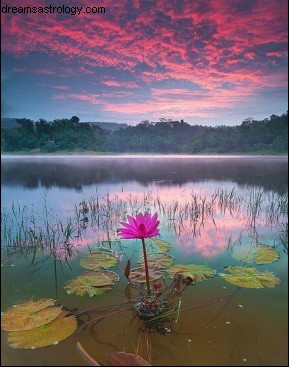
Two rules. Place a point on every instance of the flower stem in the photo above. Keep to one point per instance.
(146, 266)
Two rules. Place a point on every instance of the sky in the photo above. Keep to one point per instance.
(209, 62)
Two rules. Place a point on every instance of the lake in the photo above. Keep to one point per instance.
(213, 211)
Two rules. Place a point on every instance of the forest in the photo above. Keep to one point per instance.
(164, 136)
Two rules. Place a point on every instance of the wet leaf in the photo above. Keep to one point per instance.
(91, 285)
(49, 334)
(196, 272)
(111, 275)
(125, 359)
(162, 246)
(160, 262)
(266, 255)
(246, 253)
(98, 260)
(249, 277)
(138, 275)
(29, 315)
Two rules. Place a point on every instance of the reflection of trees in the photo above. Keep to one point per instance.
(269, 173)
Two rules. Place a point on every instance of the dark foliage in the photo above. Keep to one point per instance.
(164, 136)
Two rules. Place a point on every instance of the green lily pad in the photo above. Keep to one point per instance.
(266, 255)
(249, 277)
(138, 275)
(91, 285)
(29, 315)
(196, 272)
(160, 262)
(162, 246)
(49, 334)
(98, 260)
(111, 275)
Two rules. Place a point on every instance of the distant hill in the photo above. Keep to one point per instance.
(8, 123)
(112, 126)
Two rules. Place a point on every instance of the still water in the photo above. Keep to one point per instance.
(207, 206)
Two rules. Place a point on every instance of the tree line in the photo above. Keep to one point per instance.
(164, 136)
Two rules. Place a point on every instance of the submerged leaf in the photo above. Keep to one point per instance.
(29, 315)
(125, 359)
(196, 272)
(98, 260)
(88, 285)
(249, 277)
(266, 255)
(49, 334)
(162, 245)
(138, 275)
(246, 253)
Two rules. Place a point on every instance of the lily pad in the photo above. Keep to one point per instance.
(98, 260)
(29, 315)
(249, 277)
(244, 252)
(160, 262)
(49, 334)
(138, 275)
(196, 272)
(266, 255)
(125, 359)
(162, 245)
(111, 275)
(91, 285)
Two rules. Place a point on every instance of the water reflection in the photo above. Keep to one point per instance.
(206, 206)
(77, 172)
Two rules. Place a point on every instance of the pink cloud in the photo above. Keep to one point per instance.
(116, 84)
(61, 87)
(208, 45)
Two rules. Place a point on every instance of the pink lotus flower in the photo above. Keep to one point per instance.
(142, 226)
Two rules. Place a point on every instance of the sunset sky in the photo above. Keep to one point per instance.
(205, 61)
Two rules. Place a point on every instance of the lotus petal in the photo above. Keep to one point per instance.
(98, 260)
(49, 334)
(29, 315)
(196, 272)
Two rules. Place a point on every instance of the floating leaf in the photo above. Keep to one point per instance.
(49, 334)
(196, 272)
(138, 275)
(29, 315)
(160, 262)
(111, 275)
(162, 245)
(246, 253)
(266, 255)
(98, 260)
(125, 359)
(88, 285)
(249, 277)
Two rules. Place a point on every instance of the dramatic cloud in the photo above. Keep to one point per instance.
(211, 61)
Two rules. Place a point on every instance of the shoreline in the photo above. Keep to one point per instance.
(89, 155)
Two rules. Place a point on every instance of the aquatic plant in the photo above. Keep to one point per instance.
(142, 226)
